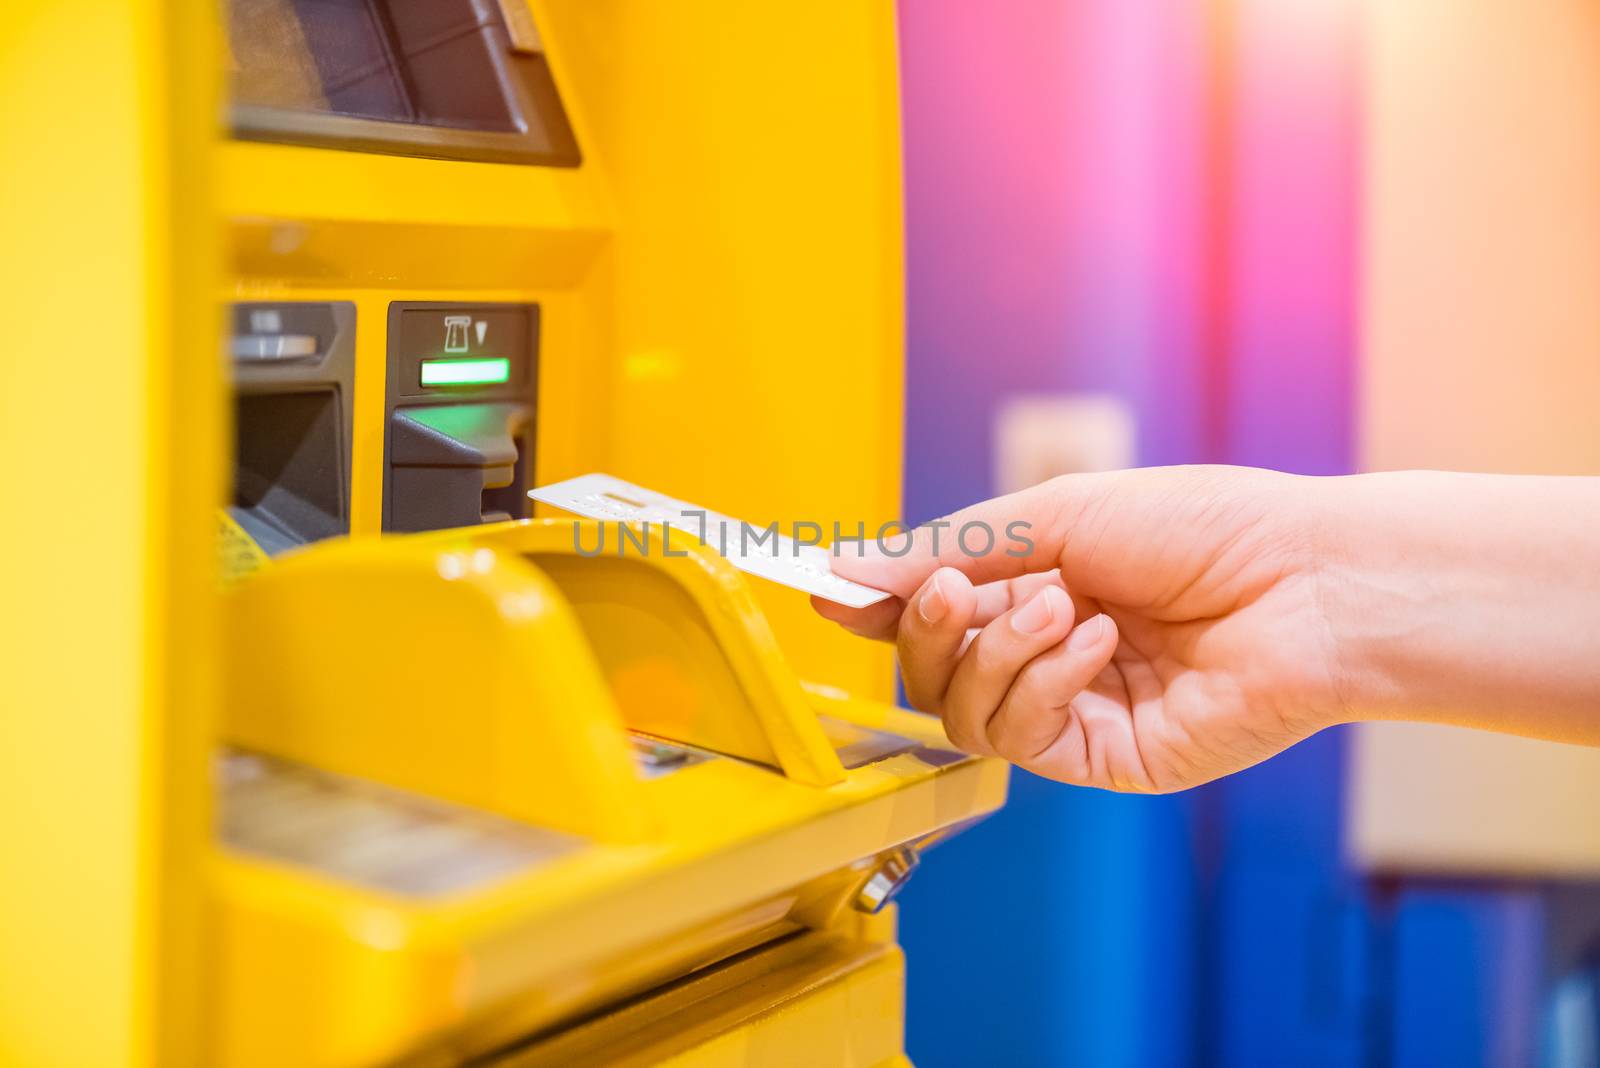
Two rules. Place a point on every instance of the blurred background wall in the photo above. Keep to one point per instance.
(1315, 235)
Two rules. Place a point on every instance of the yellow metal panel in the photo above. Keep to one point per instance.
(810, 1000)
(310, 216)
(284, 987)
(460, 674)
(738, 849)
(854, 1020)
(110, 422)
(752, 156)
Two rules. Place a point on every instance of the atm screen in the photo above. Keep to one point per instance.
(458, 79)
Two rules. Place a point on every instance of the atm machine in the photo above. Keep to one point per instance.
(350, 758)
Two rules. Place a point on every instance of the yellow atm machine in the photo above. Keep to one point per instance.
(329, 750)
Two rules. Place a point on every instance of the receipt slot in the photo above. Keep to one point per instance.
(462, 387)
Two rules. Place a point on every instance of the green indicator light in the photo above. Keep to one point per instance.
(466, 372)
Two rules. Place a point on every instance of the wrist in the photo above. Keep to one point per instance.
(1349, 599)
(1381, 565)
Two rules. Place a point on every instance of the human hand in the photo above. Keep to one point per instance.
(1164, 628)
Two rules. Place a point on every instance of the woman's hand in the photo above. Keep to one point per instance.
(1170, 625)
(1164, 629)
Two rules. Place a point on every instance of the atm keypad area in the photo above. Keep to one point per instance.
(459, 414)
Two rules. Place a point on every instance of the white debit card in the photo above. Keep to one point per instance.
(752, 549)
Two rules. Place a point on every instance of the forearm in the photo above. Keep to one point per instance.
(1468, 599)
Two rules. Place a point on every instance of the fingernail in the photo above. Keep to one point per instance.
(1036, 615)
(932, 606)
(1088, 634)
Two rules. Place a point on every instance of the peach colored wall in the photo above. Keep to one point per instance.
(1482, 330)
(1481, 351)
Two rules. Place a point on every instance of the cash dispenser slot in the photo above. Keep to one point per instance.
(528, 734)
(293, 367)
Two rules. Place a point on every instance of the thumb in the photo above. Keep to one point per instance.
(1018, 534)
